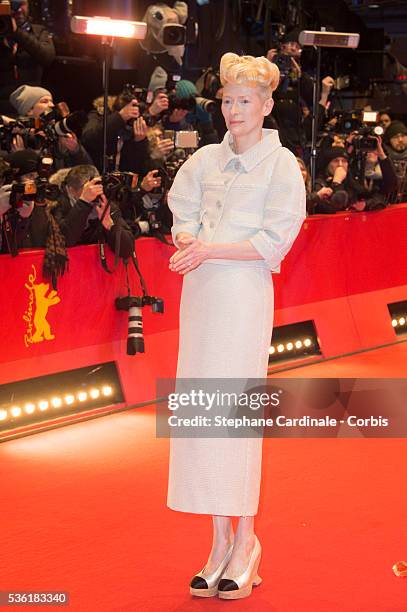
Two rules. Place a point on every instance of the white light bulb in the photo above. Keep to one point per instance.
(43, 405)
(69, 399)
(82, 396)
(3, 415)
(298, 344)
(56, 402)
(16, 411)
(402, 321)
(280, 348)
(290, 346)
(29, 408)
(307, 342)
(107, 390)
(394, 322)
(272, 350)
(94, 393)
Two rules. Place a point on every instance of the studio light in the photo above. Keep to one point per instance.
(104, 26)
(107, 29)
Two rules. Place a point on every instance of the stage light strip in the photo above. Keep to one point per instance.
(399, 321)
(297, 344)
(56, 401)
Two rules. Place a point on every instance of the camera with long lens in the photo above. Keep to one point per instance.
(60, 122)
(206, 104)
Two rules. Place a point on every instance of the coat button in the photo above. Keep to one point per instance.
(237, 165)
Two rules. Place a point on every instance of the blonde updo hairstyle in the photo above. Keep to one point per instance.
(249, 71)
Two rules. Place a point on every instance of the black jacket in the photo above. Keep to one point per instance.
(78, 228)
(35, 50)
(30, 232)
(133, 156)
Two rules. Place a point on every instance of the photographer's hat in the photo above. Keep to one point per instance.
(24, 98)
(185, 89)
(331, 153)
(24, 161)
(395, 127)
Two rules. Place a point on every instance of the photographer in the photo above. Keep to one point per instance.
(336, 176)
(23, 218)
(37, 102)
(85, 216)
(25, 49)
(127, 146)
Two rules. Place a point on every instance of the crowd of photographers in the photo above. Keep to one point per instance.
(57, 190)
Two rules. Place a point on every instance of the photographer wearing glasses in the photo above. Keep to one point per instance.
(25, 49)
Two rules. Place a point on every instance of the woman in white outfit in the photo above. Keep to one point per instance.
(238, 207)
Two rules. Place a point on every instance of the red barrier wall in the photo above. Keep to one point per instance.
(341, 272)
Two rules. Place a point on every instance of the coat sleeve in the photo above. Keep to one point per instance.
(38, 44)
(284, 212)
(184, 197)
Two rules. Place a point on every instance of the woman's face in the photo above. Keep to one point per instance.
(244, 108)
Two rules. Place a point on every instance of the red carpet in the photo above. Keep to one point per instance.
(83, 510)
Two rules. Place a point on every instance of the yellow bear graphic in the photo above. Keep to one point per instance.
(42, 303)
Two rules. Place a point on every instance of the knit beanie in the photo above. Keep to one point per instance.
(331, 153)
(24, 161)
(395, 127)
(185, 89)
(24, 98)
(158, 79)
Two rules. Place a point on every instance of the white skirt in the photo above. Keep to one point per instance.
(226, 321)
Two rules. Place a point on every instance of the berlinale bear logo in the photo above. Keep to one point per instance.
(38, 328)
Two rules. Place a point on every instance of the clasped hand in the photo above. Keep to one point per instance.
(192, 252)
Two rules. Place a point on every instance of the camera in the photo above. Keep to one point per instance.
(347, 122)
(206, 104)
(284, 63)
(60, 122)
(25, 127)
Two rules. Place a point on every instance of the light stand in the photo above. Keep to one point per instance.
(108, 29)
(318, 40)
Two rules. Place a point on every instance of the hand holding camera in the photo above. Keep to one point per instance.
(151, 181)
(130, 111)
(92, 190)
(159, 105)
(164, 146)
